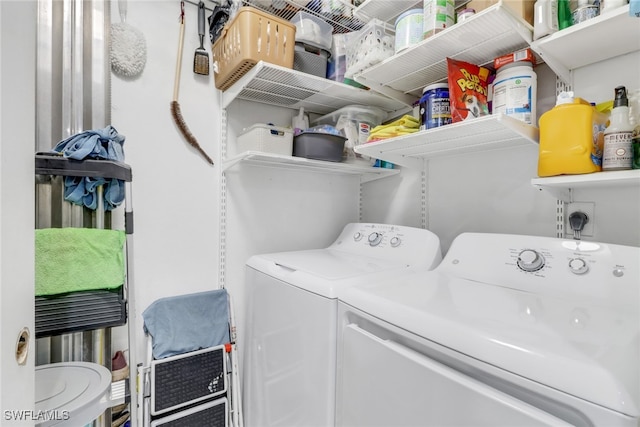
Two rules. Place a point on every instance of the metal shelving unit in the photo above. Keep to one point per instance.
(492, 32)
(561, 186)
(604, 37)
(578, 46)
(92, 312)
(481, 134)
(275, 85)
(366, 172)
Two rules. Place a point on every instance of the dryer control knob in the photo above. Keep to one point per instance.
(530, 260)
(357, 236)
(395, 242)
(375, 239)
(578, 266)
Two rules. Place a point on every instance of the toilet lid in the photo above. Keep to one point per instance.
(70, 393)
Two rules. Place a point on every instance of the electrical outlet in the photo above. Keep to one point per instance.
(585, 207)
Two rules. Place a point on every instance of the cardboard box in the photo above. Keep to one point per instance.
(521, 55)
(522, 8)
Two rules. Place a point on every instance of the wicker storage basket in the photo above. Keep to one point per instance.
(251, 36)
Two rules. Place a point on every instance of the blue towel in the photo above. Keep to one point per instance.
(105, 144)
(187, 323)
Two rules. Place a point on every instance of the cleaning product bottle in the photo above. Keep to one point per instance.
(618, 135)
(300, 122)
(564, 14)
(634, 118)
(571, 138)
(545, 17)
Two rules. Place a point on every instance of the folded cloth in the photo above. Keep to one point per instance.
(100, 144)
(406, 120)
(187, 323)
(390, 132)
(78, 259)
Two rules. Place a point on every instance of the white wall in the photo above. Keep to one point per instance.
(17, 143)
(174, 189)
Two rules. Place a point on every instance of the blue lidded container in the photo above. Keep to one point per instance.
(435, 109)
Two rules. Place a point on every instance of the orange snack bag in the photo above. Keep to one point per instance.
(468, 90)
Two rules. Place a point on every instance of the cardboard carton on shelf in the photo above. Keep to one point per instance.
(522, 8)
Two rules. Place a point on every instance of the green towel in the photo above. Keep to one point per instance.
(78, 259)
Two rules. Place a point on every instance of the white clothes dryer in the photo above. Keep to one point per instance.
(507, 331)
(292, 299)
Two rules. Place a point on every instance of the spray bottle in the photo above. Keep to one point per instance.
(618, 154)
(300, 122)
(564, 14)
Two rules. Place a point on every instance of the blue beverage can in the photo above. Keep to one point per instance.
(434, 106)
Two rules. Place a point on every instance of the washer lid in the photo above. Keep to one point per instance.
(328, 264)
(325, 272)
(590, 351)
(71, 393)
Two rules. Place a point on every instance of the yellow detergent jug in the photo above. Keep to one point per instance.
(571, 138)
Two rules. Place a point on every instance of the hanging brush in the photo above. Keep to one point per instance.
(175, 107)
(201, 56)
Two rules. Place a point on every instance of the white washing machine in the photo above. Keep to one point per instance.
(507, 331)
(290, 347)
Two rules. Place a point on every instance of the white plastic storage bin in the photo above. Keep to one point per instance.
(267, 139)
(312, 30)
(374, 43)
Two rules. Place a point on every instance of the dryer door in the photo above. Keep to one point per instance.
(383, 383)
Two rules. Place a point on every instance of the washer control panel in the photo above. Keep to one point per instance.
(414, 246)
(381, 234)
(545, 264)
(532, 260)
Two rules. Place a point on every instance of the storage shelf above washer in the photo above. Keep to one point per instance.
(386, 11)
(367, 173)
(484, 36)
(275, 85)
(561, 186)
(481, 134)
(604, 37)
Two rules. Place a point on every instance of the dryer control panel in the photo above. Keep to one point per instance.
(546, 265)
(415, 246)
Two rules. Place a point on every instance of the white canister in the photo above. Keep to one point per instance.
(514, 91)
(409, 29)
(438, 15)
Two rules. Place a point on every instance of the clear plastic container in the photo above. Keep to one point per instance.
(312, 30)
(356, 121)
(571, 138)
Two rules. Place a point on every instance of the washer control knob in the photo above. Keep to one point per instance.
(357, 236)
(375, 239)
(530, 260)
(395, 242)
(578, 266)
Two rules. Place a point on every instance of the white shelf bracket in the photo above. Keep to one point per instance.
(560, 193)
